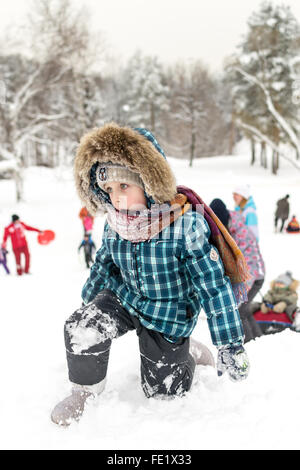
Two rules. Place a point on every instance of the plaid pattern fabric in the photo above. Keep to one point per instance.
(166, 280)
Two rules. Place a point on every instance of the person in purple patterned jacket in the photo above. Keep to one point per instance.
(3, 253)
(246, 241)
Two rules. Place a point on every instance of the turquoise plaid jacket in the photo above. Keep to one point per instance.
(167, 280)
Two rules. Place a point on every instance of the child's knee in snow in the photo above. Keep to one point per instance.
(167, 382)
(89, 327)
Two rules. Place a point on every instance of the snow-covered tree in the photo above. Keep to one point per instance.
(24, 115)
(267, 52)
(145, 91)
(46, 96)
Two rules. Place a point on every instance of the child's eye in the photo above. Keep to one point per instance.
(108, 189)
(124, 186)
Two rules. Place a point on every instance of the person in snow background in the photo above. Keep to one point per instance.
(246, 241)
(89, 247)
(282, 296)
(87, 221)
(282, 212)
(15, 231)
(244, 203)
(153, 272)
(293, 226)
(3, 255)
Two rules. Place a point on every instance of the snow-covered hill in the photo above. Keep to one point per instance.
(262, 412)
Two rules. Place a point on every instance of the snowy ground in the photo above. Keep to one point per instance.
(260, 413)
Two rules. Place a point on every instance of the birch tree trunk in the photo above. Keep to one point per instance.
(253, 155)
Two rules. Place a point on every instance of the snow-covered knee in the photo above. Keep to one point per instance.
(88, 328)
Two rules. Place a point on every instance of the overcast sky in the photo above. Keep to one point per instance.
(170, 29)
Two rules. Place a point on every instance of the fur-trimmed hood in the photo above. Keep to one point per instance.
(136, 149)
(294, 285)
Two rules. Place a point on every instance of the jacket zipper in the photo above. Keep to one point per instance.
(136, 267)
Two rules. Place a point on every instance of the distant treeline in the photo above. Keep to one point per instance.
(50, 99)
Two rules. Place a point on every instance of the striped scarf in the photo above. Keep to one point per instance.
(139, 226)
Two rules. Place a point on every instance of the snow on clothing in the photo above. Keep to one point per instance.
(156, 286)
(247, 242)
(166, 368)
(249, 213)
(136, 149)
(16, 232)
(164, 281)
(3, 261)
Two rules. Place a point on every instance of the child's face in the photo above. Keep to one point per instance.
(125, 196)
(237, 198)
(280, 285)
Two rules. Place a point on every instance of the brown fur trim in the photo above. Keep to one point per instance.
(293, 285)
(126, 147)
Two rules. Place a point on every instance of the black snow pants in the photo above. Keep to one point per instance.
(251, 328)
(166, 368)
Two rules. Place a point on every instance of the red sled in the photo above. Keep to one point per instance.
(272, 322)
(45, 237)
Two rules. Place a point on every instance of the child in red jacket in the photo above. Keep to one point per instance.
(19, 243)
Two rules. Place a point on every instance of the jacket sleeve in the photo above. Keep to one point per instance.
(31, 229)
(268, 297)
(291, 298)
(252, 222)
(206, 271)
(5, 236)
(102, 269)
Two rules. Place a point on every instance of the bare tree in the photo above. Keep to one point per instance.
(281, 122)
(37, 102)
(195, 121)
(59, 32)
(21, 118)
